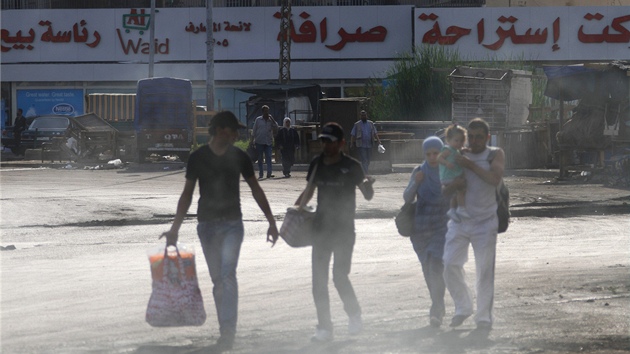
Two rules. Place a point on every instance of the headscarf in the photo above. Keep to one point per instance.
(432, 142)
(431, 188)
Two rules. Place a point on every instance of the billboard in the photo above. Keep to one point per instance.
(50, 101)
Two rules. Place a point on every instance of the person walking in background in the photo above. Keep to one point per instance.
(450, 170)
(430, 224)
(336, 177)
(480, 231)
(362, 137)
(262, 136)
(288, 140)
(19, 125)
(218, 166)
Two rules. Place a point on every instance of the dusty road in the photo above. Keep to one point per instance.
(79, 279)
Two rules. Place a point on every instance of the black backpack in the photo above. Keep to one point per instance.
(503, 198)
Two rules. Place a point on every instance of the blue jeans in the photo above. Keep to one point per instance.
(365, 154)
(263, 148)
(221, 243)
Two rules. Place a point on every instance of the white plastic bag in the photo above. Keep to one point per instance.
(297, 227)
(381, 149)
(116, 162)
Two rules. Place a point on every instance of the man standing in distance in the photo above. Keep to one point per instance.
(363, 135)
(287, 140)
(336, 177)
(482, 177)
(19, 125)
(218, 167)
(262, 134)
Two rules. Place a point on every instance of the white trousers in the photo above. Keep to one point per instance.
(483, 238)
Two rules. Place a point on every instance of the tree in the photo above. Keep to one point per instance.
(417, 87)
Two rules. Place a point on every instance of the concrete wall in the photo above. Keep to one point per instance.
(520, 99)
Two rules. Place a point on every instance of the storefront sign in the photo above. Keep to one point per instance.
(122, 35)
(528, 33)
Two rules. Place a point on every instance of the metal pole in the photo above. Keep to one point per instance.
(563, 151)
(285, 42)
(209, 57)
(152, 38)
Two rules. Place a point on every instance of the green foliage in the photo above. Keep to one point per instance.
(419, 88)
(242, 144)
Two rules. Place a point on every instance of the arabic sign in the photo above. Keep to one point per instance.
(50, 101)
(121, 35)
(528, 33)
(326, 32)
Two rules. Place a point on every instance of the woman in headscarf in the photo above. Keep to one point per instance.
(430, 224)
(287, 140)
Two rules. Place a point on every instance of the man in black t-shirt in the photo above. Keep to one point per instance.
(218, 167)
(336, 178)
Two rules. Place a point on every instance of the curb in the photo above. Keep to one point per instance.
(396, 168)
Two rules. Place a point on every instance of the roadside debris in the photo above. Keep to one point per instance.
(110, 165)
(115, 163)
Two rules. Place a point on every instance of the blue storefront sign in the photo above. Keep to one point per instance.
(50, 101)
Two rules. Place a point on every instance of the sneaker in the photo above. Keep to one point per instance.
(322, 335)
(462, 213)
(451, 213)
(484, 325)
(355, 324)
(225, 342)
(270, 176)
(435, 322)
(261, 177)
(458, 320)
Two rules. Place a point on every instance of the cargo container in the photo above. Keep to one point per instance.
(163, 118)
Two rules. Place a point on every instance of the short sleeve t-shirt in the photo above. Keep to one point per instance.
(219, 181)
(447, 175)
(336, 194)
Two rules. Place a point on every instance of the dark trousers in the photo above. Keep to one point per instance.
(288, 159)
(433, 270)
(323, 249)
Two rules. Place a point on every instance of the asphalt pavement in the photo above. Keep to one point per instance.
(75, 275)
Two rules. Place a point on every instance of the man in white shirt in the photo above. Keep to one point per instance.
(363, 135)
(262, 135)
(482, 177)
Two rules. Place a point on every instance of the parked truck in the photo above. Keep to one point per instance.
(163, 118)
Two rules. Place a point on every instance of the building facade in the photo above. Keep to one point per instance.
(53, 53)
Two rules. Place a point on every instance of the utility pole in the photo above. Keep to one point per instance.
(209, 57)
(152, 38)
(285, 42)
